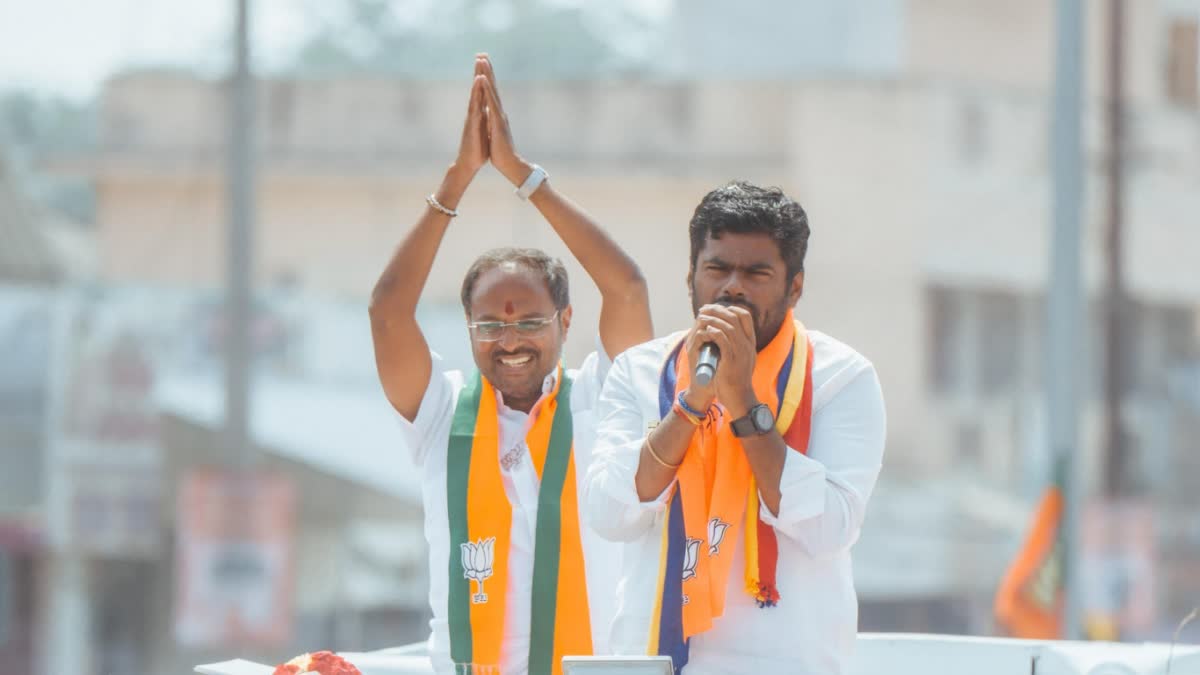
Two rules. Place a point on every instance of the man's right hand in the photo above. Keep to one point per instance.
(698, 396)
(401, 353)
(473, 149)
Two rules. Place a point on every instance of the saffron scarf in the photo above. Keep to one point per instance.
(480, 519)
(716, 497)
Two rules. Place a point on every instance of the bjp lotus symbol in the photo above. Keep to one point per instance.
(691, 552)
(477, 560)
(716, 534)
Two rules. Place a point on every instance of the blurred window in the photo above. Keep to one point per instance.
(1000, 333)
(945, 340)
(977, 341)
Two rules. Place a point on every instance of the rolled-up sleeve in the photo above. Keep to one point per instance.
(825, 493)
(437, 406)
(614, 510)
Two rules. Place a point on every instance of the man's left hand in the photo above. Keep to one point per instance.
(503, 153)
(731, 328)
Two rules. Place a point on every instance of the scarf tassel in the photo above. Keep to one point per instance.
(766, 595)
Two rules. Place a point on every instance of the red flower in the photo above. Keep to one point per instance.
(324, 662)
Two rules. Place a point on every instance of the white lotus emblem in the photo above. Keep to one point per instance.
(716, 534)
(477, 564)
(690, 554)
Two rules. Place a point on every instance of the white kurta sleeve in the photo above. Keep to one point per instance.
(613, 507)
(436, 406)
(825, 493)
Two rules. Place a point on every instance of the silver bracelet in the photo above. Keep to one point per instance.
(432, 201)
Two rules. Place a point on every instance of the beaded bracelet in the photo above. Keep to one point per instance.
(683, 412)
(437, 206)
(692, 415)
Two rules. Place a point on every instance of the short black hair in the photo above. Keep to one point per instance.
(550, 269)
(744, 208)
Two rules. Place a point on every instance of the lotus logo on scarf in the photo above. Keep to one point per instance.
(477, 564)
(716, 534)
(690, 554)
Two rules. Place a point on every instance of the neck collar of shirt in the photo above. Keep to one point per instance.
(547, 387)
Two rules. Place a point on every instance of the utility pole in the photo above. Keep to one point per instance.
(1116, 304)
(240, 203)
(1064, 307)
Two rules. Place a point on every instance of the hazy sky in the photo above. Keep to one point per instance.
(70, 46)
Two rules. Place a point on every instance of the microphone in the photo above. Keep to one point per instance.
(706, 365)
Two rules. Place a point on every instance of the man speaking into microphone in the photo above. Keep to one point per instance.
(736, 460)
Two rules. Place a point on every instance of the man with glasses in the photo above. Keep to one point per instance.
(515, 581)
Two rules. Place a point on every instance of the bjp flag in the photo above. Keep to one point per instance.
(1029, 602)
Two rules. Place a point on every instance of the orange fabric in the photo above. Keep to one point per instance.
(714, 480)
(1029, 601)
(572, 632)
(490, 514)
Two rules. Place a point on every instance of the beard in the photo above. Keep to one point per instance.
(766, 323)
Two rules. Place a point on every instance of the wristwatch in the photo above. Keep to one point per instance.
(758, 421)
(532, 182)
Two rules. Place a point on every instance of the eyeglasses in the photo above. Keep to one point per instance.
(490, 331)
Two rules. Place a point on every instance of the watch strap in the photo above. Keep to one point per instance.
(745, 426)
(532, 182)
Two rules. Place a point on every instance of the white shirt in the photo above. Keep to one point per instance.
(428, 437)
(813, 628)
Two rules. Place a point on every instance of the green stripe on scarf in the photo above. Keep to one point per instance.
(458, 473)
(546, 544)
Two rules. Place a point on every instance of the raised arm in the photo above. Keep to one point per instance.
(625, 302)
(401, 353)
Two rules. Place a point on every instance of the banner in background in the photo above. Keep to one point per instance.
(234, 572)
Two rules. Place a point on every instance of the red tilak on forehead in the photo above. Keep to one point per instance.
(508, 308)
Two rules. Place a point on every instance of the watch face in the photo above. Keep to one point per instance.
(763, 419)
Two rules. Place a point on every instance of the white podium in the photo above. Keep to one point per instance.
(617, 665)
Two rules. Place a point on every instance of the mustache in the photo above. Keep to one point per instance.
(498, 354)
(727, 301)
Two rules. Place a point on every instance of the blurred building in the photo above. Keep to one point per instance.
(919, 146)
(40, 257)
(112, 444)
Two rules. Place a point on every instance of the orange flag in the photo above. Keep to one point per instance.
(1029, 602)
